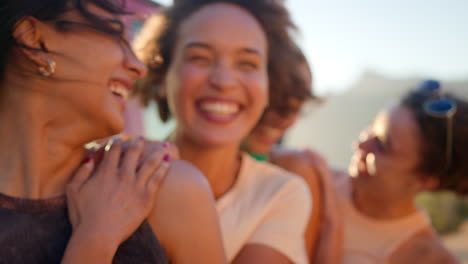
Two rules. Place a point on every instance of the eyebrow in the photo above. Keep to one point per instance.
(251, 51)
(209, 47)
(198, 45)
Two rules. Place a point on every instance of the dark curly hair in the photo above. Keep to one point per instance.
(434, 141)
(13, 11)
(272, 16)
(296, 82)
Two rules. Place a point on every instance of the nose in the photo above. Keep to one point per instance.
(223, 77)
(365, 141)
(136, 67)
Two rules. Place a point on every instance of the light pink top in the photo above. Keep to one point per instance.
(268, 206)
(370, 241)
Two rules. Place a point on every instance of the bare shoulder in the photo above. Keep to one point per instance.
(295, 161)
(424, 247)
(183, 187)
(185, 179)
(185, 214)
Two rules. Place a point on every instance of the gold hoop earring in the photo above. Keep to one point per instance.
(48, 70)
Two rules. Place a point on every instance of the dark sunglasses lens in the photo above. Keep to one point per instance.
(429, 86)
(440, 106)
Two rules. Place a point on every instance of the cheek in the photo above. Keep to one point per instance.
(96, 60)
(182, 84)
(258, 90)
(104, 60)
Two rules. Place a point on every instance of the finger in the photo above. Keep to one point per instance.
(128, 141)
(150, 165)
(171, 149)
(130, 159)
(81, 175)
(111, 159)
(156, 178)
(150, 147)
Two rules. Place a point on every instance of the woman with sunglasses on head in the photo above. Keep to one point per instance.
(210, 66)
(65, 72)
(418, 145)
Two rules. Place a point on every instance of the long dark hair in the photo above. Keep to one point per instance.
(13, 11)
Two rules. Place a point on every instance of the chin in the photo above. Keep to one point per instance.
(217, 140)
(255, 146)
(263, 149)
(113, 128)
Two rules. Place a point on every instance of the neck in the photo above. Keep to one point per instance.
(375, 205)
(220, 165)
(37, 155)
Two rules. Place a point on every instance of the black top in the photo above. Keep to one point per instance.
(37, 231)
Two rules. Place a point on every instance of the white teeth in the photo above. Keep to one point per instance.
(219, 108)
(119, 90)
(370, 164)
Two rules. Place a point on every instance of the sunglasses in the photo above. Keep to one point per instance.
(438, 106)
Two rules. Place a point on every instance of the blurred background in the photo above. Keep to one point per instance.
(365, 54)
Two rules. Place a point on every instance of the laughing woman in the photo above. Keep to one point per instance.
(418, 145)
(64, 70)
(210, 68)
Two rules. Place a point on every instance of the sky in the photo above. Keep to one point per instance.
(398, 38)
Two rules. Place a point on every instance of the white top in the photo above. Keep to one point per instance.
(371, 241)
(268, 206)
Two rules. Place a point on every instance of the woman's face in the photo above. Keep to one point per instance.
(274, 124)
(94, 76)
(272, 128)
(217, 82)
(387, 156)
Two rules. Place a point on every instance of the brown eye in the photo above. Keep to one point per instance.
(116, 25)
(248, 66)
(200, 60)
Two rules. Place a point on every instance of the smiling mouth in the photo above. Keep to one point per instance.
(221, 109)
(363, 165)
(119, 90)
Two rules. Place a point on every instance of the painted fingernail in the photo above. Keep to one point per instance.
(109, 144)
(167, 158)
(86, 160)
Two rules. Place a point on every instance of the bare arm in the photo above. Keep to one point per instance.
(87, 246)
(324, 232)
(295, 162)
(185, 218)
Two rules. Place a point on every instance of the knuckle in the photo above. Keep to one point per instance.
(154, 159)
(106, 168)
(135, 147)
(157, 177)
